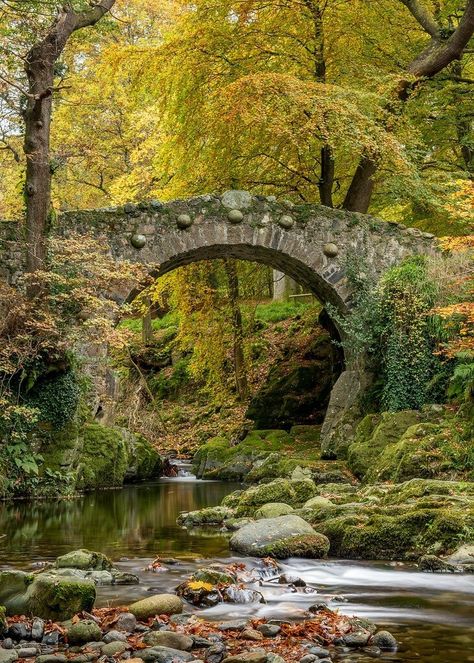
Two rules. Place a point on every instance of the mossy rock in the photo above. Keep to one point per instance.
(273, 510)
(213, 577)
(144, 462)
(104, 458)
(214, 515)
(318, 503)
(232, 500)
(13, 588)
(312, 546)
(294, 493)
(83, 631)
(3, 620)
(44, 595)
(84, 559)
(219, 459)
(50, 598)
(427, 450)
(255, 538)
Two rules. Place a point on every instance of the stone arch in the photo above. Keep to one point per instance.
(310, 243)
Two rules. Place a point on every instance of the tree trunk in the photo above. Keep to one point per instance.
(37, 118)
(147, 328)
(326, 181)
(360, 191)
(240, 371)
(39, 67)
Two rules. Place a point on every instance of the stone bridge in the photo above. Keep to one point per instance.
(310, 243)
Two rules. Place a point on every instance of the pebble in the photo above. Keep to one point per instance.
(269, 630)
(126, 622)
(114, 648)
(27, 652)
(216, 653)
(320, 652)
(385, 640)
(37, 629)
(7, 643)
(309, 658)
(51, 658)
(357, 639)
(248, 657)
(251, 634)
(233, 625)
(114, 636)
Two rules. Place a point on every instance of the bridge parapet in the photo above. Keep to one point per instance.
(311, 243)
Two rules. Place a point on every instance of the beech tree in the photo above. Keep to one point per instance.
(446, 45)
(45, 28)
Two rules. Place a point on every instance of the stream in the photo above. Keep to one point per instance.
(431, 615)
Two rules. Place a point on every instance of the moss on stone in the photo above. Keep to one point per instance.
(294, 493)
(273, 510)
(376, 434)
(427, 450)
(219, 459)
(313, 546)
(103, 461)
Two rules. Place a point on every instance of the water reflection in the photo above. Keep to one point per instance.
(136, 521)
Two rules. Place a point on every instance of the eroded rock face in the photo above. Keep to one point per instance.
(297, 389)
(281, 537)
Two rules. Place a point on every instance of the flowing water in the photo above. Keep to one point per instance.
(431, 615)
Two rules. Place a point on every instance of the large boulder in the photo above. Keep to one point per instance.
(159, 604)
(260, 538)
(44, 595)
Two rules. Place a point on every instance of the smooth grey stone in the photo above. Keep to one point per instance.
(37, 629)
(126, 622)
(27, 652)
(114, 636)
(233, 625)
(269, 630)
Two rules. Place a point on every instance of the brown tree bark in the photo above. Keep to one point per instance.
(438, 54)
(326, 179)
(39, 67)
(240, 370)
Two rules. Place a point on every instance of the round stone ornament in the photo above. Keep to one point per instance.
(138, 241)
(330, 250)
(235, 216)
(286, 221)
(184, 221)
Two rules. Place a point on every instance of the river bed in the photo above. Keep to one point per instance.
(432, 615)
